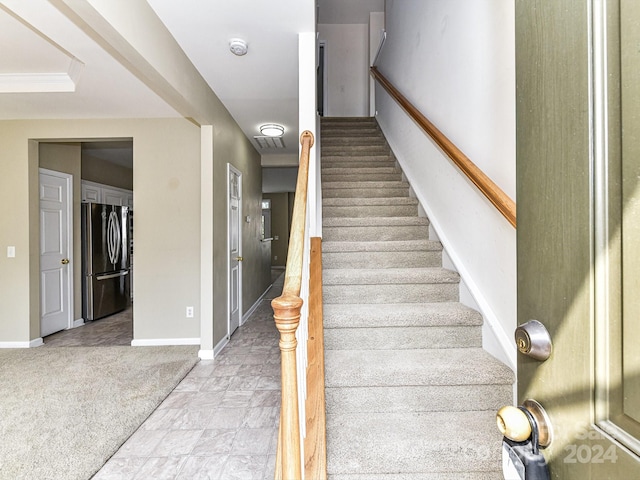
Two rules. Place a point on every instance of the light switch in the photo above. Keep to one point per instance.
(11, 252)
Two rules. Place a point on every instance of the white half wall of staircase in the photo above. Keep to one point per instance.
(455, 61)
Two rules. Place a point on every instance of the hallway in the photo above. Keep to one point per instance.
(221, 421)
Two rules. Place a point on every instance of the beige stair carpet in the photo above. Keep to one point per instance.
(410, 392)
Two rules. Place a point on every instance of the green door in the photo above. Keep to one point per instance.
(578, 171)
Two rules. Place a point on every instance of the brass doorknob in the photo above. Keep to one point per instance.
(513, 423)
(64, 261)
(239, 259)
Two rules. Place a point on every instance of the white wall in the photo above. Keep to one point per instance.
(454, 60)
(347, 64)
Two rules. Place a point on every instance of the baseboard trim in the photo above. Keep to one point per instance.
(205, 354)
(221, 344)
(253, 308)
(78, 323)
(155, 342)
(36, 342)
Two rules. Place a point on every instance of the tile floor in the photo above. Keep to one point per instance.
(116, 329)
(221, 421)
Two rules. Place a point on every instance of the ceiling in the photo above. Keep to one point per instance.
(50, 68)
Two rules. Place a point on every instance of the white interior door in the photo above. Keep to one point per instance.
(55, 251)
(234, 204)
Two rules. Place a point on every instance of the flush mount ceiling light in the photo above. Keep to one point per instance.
(238, 46)
(272, 130)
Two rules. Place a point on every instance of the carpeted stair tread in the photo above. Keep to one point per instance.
(377, 246)
(365, 184)
(378, 259)
(360, 170)
(362, 177)
(374, 221)
(466, 475)
(351, 164)
(375, 232)
(370, 211)
(405, 338)
(449, 366)
(417, 398)
(399, 315)
(354, 140)
(348, 150)
(364, 192)
(413, 442)
(391, 292)
(369, 201)
(394, 276)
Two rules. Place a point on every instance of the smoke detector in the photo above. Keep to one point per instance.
(238, 46)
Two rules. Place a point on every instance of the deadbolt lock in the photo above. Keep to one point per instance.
(533, 340)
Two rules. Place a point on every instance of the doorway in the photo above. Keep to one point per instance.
(234, 242)
(101, 172)
(321, 77)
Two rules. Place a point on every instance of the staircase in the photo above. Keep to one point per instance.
(410, 392)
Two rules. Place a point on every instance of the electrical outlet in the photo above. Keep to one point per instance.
(276, 257)
(189, 312)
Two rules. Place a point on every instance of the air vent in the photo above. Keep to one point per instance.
(269, 142)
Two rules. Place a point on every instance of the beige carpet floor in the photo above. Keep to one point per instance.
(65, 411)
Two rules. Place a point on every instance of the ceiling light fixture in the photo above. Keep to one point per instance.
(238, 46)
(272, 130)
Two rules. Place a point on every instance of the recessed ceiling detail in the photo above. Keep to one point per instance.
(48, 68)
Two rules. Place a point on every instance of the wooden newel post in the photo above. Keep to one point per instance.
(286, 312)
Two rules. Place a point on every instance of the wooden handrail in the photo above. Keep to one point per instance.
(286, 313)
(494, 194)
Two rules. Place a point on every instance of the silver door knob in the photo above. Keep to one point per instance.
(533, 340)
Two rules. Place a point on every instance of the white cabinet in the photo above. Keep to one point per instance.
(91, 192)
(99, 193)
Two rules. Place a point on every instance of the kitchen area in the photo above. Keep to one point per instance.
(103, 259)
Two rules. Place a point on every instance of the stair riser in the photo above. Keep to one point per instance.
(371, 211)
(413, 293)
(439, 398)
(381, 259)
(404, 338)
(359, 171)
(363, 177)
(405, 443)
(329, 133)
(348, 151)
(375, 233)
(353, 141)
(351, 124)
(466, 475)
(364, 202)
(373, 160)
(364, 192)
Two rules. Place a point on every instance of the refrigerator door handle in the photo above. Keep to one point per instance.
(113, 237)
(112, 275)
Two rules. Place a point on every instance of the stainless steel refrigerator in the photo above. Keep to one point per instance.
(105, 260)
